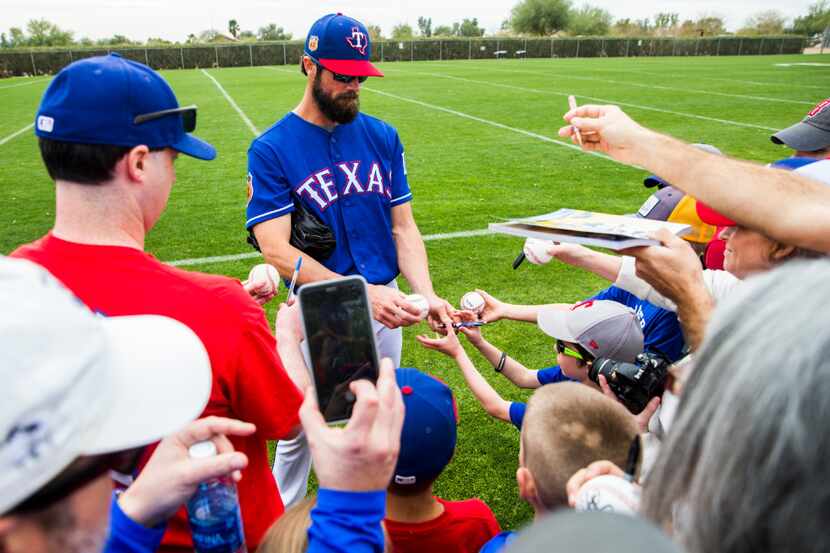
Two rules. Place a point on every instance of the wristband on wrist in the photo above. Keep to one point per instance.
(500, 366)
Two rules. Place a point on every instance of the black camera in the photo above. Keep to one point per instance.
(633, 383)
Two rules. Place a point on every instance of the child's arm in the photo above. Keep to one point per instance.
(495, 310)
(517, 373)
(489, 398)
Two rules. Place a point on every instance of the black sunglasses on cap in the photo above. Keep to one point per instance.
(78, 474)
(345, 79)
(187, 113)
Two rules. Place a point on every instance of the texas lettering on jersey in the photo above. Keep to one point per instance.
(320, 187)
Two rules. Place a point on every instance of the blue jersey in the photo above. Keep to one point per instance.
(350, 177)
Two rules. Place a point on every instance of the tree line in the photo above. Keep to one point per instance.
(527, 18)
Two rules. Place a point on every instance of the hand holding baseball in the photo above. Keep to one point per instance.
(263, 283)
(391, 308)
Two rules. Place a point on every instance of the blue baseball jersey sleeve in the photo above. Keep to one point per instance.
(350, 177)
(517, 413)
(551, 375)
(661, 329)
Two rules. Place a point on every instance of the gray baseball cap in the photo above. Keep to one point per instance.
(569, 531)
(811, 133)
(604, 328)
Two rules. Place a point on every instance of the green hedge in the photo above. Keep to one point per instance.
(49, 61)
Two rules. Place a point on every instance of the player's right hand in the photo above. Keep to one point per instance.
(390, 308)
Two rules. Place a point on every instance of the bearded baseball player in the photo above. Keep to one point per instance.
(347, 169)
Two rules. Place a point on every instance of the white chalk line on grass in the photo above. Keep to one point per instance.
(233, 104)
(491, 123)
(653, 86)
(693, 76)
(23, 84)
(252, 255)
(17, 133)
(601, 100)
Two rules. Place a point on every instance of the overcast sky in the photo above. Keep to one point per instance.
(174, 20)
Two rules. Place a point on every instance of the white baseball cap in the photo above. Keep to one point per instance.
(604, 328)
(75, 383)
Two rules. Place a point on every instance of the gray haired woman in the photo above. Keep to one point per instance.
(746, 466)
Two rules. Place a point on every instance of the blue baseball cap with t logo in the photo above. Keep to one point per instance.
(341, 45)
(110, 100)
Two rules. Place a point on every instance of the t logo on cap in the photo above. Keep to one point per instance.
(358, 41)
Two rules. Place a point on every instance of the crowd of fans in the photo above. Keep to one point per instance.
(114, 364)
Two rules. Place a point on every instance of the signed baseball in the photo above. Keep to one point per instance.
(265, 273)
(472, 301)
(610, 494)
(536, 251)
(420, 302)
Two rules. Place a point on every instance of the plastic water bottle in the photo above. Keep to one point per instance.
(213, 511)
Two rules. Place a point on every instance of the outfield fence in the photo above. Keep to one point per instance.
(41, 62)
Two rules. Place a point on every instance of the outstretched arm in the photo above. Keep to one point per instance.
(783, 205)
(489, 398)
(517, 373)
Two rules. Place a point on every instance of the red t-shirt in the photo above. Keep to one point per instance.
(464, 526)
(249, 381)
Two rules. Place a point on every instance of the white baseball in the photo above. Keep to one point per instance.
(536, 251)
(420, 302)
(265, 273)
(610, 494)
(472, 301)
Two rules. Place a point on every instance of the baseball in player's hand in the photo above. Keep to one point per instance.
(607, 129)
(390, 307)
(263, 283)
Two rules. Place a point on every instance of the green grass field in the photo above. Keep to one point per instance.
(481, 146)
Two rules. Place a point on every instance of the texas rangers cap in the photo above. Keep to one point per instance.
(811, 133)
(429, 427)
(566, 531)
(604, 328)
(341, 45)
(78, 384)
(672, 205)
(653, 180)
(119, 102)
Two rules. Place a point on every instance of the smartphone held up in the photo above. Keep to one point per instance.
(337, 322)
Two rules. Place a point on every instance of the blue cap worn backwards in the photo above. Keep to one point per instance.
(429, 427)
(113, 101)
(341, 45)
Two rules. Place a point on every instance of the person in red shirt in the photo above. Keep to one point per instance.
(416, 520)
(109, 131)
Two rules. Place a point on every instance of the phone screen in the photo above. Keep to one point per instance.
(341, 343)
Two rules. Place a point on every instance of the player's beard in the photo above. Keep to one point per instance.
(341, 109)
